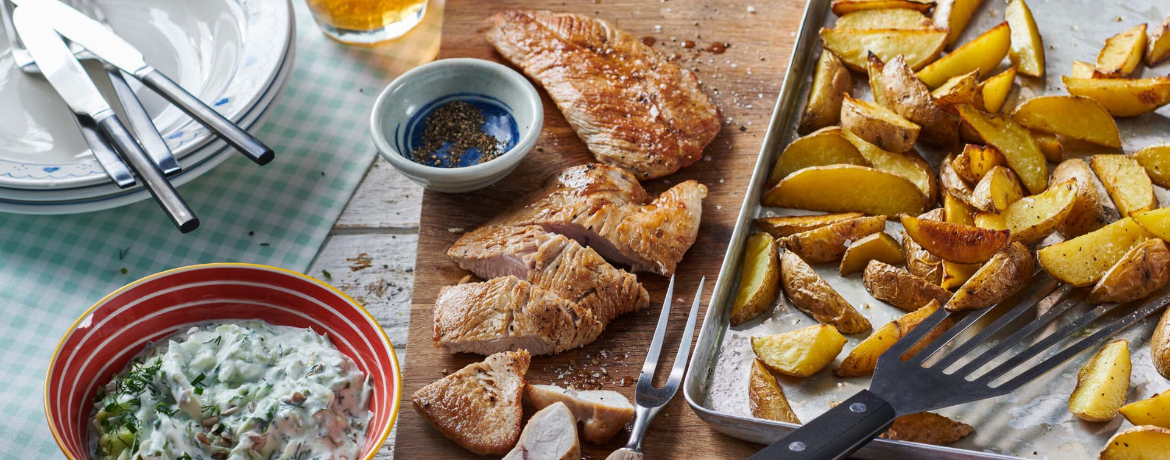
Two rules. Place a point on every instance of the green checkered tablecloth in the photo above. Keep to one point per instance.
(52, 268)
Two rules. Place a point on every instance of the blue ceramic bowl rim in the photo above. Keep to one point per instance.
(499, 164)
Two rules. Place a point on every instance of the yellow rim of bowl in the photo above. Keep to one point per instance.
(393, 354)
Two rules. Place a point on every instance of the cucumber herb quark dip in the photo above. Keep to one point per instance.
(235, 390)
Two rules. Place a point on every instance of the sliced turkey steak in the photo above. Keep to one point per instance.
(551, 434)
(478, 406)
(603, 412)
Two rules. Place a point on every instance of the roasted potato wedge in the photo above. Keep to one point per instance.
(828, 243)
(1082, 69)
(1001, 277)
(927, 428)
(903, 93)
(963, 89)
(1015, 142)
(853, 191)
(878, 125)
(1156, 221)
(899, 288)
(1160, 345)
(1122, 52)
(1049, 145)
(1156, 160)
(951, 182)
(997, 190)
(830, 83)
(984, 54)
(919, 261)
(958, 212)
(1126, 182)
(878, 246)
(799, 353)
(956, 243)
(955, 275)
(954, 15)
(1137, 443)
(1027, 51)
(1158, 45)
(996, 90)
(759, 281)
(1084, 260)
(976, 161)
(811, 294)
(780, 227)
(919, 47)
(1142, 271)
(1087, 213)
(825, 147)
(1123, 97)
(873, 68)
(889, 18)
(989, 220)
(843, 7)
(1152, 411)
(765, 396)
(909, 165)
(863, 358)
(1073, 117)
(1102, 384)
(1033, 218)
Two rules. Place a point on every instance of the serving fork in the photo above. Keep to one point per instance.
(647, 399)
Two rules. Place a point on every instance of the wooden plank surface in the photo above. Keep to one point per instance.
(744, 81)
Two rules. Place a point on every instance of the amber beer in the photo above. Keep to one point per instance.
(367, 21)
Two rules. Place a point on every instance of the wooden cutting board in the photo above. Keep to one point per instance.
(744, 81)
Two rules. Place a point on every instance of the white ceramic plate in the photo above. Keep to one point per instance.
(227, 52)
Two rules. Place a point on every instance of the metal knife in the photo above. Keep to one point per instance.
(111, 48)
(67, 76)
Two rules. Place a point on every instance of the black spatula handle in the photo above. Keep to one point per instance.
(836, 433)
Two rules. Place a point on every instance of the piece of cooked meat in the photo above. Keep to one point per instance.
(633, 106)
(605, 208)
(603, 412)
(551, 434)
(508, 313)
(478, 406)
(552, 262)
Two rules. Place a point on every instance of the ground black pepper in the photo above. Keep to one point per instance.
(459, 124)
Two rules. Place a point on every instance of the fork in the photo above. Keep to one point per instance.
(647, 399)
(908, 386)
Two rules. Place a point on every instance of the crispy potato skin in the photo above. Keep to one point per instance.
(1027, 51)
(825, 147)
(878, 246)
(1144, 270)
(863, 358)
(927, 428)
(1126, 182)
(956, 243)
(830, 83)
(899, 288)
(1137, 443)
(1102, 384)
(1160, 345)
(951, 183)
(1087, 213)
(811, 294)
(1073, 117)
(854, 188)
(905, 94)
(766, 397)
(1001, 277)
(1083, 260)
(760, 279)
(828, 243)
(878, 125)
(780, 227)
(920, 262)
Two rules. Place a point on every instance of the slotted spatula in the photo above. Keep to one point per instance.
(901, 387)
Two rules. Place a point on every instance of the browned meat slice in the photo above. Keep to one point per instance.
(606, 209)
(551, 434)
(633, 106)
(510, 314)
(554, 263)
(478, 406)
(603, 412)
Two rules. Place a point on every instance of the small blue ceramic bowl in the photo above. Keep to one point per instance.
(511, 106)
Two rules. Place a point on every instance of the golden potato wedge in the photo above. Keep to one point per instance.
(780, 227)
(765, 396)
(919, 261)
(852, 191)
(958, 212)
(825, 147)
(963, 89)
(1073, 117)
(1160, 345)
(1156, 160)
(863, 358)
(956, 243)
(955, 275)
(976, 161)
(1082, 69)
(1049, 145)
(909, 165)
(951, 182)
(811, 294)
(799, 353)
(997, 190)
(1123, 97)
(844, 7)
(828, 243)
(1087, 214)
(903, 93)
(1126, 182)
(927, 428)
(1122, 52)
(873, 68)
(878, 246)
(878, 125)
(1155, 221)
(919, 47)
(1033, 218)
(954, 15)
(830, 83)
(1015, 142)
(989, 220)
(1152, 411)
(1083, 260)
(1142, 271)
(983, 53)
(996, 90)
(1102, 384)
(759, 281)
(889, 18)
(1001, 277)
(1027, 51)
(1137, 443)
(1158, 45)
(899, 288)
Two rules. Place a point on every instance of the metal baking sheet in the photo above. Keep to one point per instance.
(1034, 422)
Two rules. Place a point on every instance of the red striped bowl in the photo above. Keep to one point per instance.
(103, 340)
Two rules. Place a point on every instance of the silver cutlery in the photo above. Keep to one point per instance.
(647, 399)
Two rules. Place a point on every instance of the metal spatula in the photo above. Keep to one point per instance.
(901, 387)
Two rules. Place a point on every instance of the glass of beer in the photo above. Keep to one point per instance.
(365, 22)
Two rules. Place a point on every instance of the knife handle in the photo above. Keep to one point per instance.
(238, 138)
(148, 136)
(152, 177)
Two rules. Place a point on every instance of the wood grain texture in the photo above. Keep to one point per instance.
(744, 81)
(384, 199)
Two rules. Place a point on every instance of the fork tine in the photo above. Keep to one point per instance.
(1047, 342)
(1015, 337)
(659, 335)
(684, 346)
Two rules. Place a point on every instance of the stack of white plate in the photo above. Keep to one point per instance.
(236, 55)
